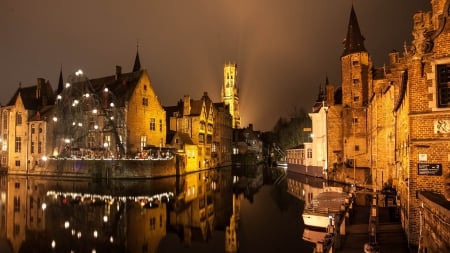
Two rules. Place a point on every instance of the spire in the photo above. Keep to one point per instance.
(354, 42)
(326, 80)
(137, 62)
(60, 82)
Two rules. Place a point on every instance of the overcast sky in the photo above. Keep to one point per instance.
(284, 48)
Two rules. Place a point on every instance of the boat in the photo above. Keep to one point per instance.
(325, 208)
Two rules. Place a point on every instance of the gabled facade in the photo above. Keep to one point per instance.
(118, 115)
(24, 127)
(195, 118)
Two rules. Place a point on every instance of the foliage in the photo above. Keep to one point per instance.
(291, 132)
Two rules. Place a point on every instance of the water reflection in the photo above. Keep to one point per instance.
(218, 210)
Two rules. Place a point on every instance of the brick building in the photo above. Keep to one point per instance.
(391, 126)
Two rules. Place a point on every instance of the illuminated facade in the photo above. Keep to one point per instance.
(230, 92)
(84, 118)
(390, 124)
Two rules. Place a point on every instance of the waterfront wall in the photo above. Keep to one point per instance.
(106, 168)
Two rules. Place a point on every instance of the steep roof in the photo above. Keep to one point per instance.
(34, 97)
(121, 86)
(137, 62)
(354, 42)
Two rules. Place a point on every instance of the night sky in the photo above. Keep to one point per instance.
(284, 48)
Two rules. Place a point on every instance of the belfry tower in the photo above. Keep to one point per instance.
(230, 92)
(356, 76)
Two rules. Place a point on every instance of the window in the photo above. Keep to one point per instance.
(32, 129)
(40, 128)
(143, 142)
(355, 81)
(16, 204)
(355, 120)
(160, 125)
(19, 119)
(309, 153)
(17, 163)
(4, 143)
(18, 147)
(5, 121)
(355, 63)
(39, 147)
(443, 85)
(32, 147)
(17, 185)
(356, 147)
(355, 98)
(152, 223)
(144, 101)
(201, 138)
(152, 124)
(16, 229)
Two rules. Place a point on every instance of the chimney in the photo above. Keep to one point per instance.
(40, 82)
(118, 71)
(187, 105)
(393, 57)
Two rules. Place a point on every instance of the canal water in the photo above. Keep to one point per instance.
(246, 209)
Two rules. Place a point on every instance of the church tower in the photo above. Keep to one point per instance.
(356, 68)
(230, 92)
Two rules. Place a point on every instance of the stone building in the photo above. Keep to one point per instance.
(394, 124)
(194, 118)
(113, 116)
(24, 127)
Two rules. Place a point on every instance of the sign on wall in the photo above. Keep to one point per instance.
(431, 169)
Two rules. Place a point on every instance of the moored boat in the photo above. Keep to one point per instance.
(324, 208)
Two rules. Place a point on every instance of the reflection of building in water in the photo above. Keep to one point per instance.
(248, 180)
(231, 238)
(3, 205)
(82, 216)
(193, 215)
(17, 212)
(146, 226)
(304, 188)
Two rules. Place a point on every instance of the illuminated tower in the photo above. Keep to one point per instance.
(356, 65)
(230, 92)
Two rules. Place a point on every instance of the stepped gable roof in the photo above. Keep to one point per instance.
(30, 98)
(121, 86)
(354, 42)
(208, 101)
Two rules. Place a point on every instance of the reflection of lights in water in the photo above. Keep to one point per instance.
(79, 234)
(108, 199)
(72, 231)
(95, 233)
(105, 218)
(53, 244)
(111, 239)
(66, 224)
